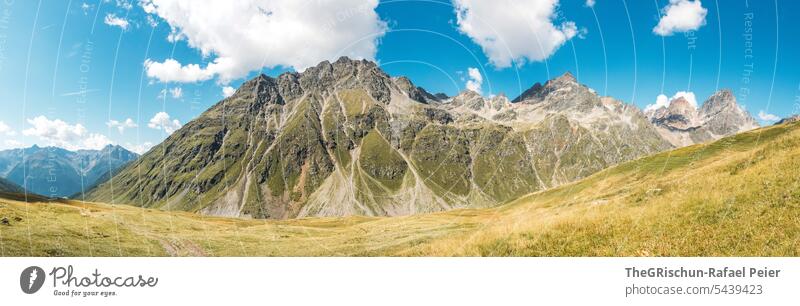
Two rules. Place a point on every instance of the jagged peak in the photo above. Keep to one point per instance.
(535, 90)
(724, 93)
(466, 93)
(680, 103)
(538, 90)
(719, 100)
(566, 77)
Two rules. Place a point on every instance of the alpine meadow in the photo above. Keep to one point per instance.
(411, 128)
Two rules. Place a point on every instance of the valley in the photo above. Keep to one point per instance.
(737, 196)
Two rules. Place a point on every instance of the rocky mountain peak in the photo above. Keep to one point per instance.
(718, 102)
(530, 93)
(345, 138)
(418, 94)
(678, 115)
(681, 106)
(567, 77)
(719, 116)
(538, 92)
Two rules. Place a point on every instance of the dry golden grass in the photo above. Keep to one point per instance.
(739, 196)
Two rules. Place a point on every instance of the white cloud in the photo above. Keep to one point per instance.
(151, 21)
(663, 101)
(11, 144)
(85, 7)
(589, 3)
(176, 92)
(764, 116)
(147, 6)
(6, 130)
(228, 91)
(113, 20)
(56, 131)
(139, 148)
(688, 95)
(513, 30)
(162, 121)
(247, 35)
(59, 133)
(475, 80)
(95, 142)
(124, 4)
(121, 126)
(172, 71)
(681, 16)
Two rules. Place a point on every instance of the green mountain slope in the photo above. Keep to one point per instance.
(345, 139)
(9, 187)
(739, 196)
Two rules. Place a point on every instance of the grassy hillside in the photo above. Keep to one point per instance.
(737, 196)
(8, 186)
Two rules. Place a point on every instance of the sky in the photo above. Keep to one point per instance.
(85, 74)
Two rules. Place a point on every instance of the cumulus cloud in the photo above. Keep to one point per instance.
(162, 121)
(475, 80)
(59, 133)
(681, 16)
(171, 70)
(247, 35)
(663, 101)
(764, 116)
(512, 30)
(11, 144)
(6, 130)
(140, 148)
(122, 126)
(589, 3)
(96, 142)
(115, 21)
(228, 91)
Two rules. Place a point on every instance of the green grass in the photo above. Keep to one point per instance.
(739, 196)
(441, 155)
(380, 161)
(355, 102)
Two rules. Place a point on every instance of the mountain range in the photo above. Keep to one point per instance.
(682, 124)
(56, 172)
(345, 138)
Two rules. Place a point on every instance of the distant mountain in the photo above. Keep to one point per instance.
(682, 124)
(9, 187)
(56, 172)
(790, 119)
(344, 138)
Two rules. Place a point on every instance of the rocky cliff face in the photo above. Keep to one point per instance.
(682, 124)
(344, 138)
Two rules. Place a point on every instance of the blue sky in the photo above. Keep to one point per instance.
(73, 72)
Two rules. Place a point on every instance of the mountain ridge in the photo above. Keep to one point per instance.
(345, 138)
(57, 172)
(683, 124)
